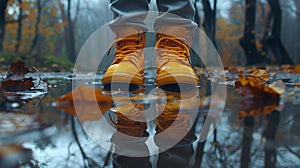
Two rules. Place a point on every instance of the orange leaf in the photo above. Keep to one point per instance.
(16, 77)
(254, 87)
(297, 69)
(17, 69)
(259, 76)
(87, 107)
(23, 84)
(84, 93)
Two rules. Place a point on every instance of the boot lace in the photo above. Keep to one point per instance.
(173, 49)
(127, 47)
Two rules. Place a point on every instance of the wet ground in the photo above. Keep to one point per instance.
(35, 133)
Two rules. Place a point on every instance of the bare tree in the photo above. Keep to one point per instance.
(248, 41)
(267, 29)
(271, 37)
(19, 32)
(70, 41)
(3, 5)
(210, 20)
(69, 29)
(274, 40)
(36, 27)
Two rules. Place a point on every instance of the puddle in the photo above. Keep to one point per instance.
(34, 133)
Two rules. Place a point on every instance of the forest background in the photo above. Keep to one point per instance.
(49, 33)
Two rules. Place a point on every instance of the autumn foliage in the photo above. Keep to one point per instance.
(257, 97)
(85, 103)
(15, 79)
(49, 28)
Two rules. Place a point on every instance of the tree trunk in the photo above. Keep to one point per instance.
(248, 41)
(70, 43)
(267, 31)
(274, 41)
(19, 32)
(68, 31)
(36, 28)
(3, 5)
(197, 16)
(210, 20)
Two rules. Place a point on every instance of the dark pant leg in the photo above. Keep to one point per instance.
(183, 9)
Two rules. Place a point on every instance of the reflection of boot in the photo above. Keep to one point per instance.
(130, 148)
(166, 121)
(176, 116)
(176, 145)
(128, 64)
(173, 64)
(178, 156)
(131, 121)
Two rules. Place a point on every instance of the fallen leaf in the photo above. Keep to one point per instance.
(257, 97)
(287, 68)
(278, 86)
(15, 79)
(17, 70)
(87, 107)
(22, 84)
(260, 76)
(297, 69)
(253, 86)
(84, 93)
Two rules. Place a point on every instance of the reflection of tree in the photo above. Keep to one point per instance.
(270, 133)
(247, 140)
(199, 154)
(216, 154)
(87, 161)
(200, 147)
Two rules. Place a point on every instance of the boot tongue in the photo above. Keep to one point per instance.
(128, 36)
(127, 31)
(171, 43)
(175, 31)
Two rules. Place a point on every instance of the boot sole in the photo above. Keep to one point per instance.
(122, 81)
(177, 82)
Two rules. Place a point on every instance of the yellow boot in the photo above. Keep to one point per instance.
(128, 64)
(173, 61)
